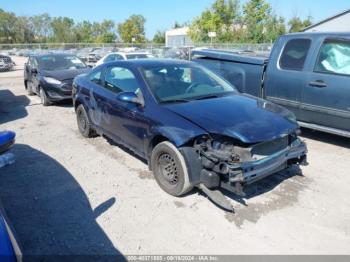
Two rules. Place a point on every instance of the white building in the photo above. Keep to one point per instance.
(337, 23)
(178, 37)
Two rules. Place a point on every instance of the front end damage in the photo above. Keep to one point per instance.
(215, 162)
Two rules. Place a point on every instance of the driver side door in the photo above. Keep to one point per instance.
(125, 121)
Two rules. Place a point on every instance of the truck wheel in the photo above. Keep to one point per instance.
(43, 97)
(84, 124)
(29, 87)
(170, 170)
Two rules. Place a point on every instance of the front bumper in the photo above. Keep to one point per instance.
(58, 92)
(6, 67)
(250, 172)
(234, 177)
(253, 171)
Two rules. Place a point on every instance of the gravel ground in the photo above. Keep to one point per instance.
(70, 195)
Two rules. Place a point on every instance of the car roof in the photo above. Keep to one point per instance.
(318, 34)
(129, 53)
(51, 54)
(151, 62)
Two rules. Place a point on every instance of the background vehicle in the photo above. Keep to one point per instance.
(51, 76)
(192, 127)
(308, 73)
(6, 63)
(123, 56)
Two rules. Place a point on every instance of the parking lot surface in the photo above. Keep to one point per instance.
(70, 195)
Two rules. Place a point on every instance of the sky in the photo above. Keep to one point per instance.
(160, 14)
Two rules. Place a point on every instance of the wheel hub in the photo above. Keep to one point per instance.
(168, 168)
(82, 121)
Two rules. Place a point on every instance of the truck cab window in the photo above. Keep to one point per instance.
(294, 54)
(334, 57)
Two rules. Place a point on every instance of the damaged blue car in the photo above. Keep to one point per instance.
(193, 128)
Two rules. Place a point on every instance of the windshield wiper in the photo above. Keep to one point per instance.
(174, 101)
(207, 97)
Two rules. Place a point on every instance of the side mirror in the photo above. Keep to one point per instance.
(130, 97)
(34, 71)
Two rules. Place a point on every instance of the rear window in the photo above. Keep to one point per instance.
(294, 54)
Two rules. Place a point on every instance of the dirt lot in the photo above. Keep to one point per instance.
(69, 195)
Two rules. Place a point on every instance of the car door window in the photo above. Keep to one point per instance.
(95, 77)
(294, 54)
(334, 57)
(119, 79)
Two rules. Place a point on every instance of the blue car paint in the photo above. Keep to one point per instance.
(248, 119)
(6, 137)
(238, 116)
(7, 253)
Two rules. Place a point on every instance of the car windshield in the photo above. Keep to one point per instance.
(55, 62)
(183, 83)
(136, 56)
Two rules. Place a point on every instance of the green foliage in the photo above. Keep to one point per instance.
(133, 27)
(223, 18)
(159, 37)
(254, 22)
(256, 16)
(43, 28)
(297, 25)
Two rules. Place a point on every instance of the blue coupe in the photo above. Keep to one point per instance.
(193, 127)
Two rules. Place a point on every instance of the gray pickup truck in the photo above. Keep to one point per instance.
(308, 73)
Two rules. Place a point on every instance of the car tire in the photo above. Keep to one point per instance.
(43, 97)
(29, 87)
(84, 124)
(170, 170)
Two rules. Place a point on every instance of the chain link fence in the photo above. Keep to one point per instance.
(99, 50)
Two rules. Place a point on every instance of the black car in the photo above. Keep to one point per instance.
(51, 76)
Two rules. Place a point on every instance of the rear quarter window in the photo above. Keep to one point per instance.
(294, 54)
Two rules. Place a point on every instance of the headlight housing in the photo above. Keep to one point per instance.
(51, 80)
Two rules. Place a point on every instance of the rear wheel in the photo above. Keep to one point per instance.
(43, 97)
(84, 124)
(170, 170)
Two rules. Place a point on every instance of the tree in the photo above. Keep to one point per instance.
(159, 37)
(8, 30)
(275, 27)
(256, 16)
(133, 27)
(40, 27)
(223, 18)
(297, 25)
(63, 30)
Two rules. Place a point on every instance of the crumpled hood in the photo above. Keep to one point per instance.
(251, 120)
(65, 74)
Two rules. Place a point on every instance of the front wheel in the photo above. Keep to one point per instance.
(43, 97)
(84, 124)
(170, 170)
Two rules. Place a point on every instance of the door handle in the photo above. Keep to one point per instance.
(318, 83)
